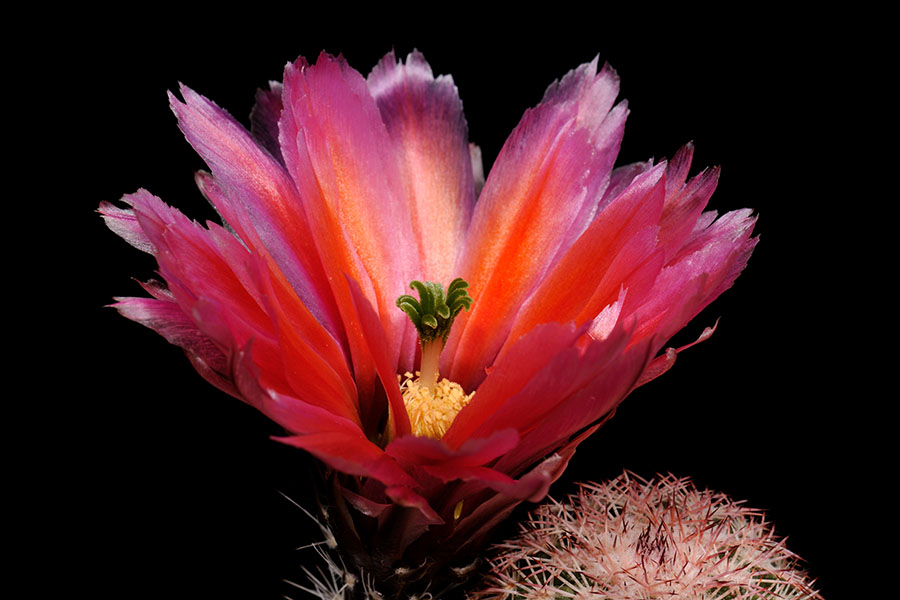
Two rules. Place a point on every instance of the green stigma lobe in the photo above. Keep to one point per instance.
(433, 313)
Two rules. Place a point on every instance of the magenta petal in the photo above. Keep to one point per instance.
(232, 215)
(538, 198)
(313, 362)
(259, 192)
(550, 389)
(466, 464)
(350, 452)
(477, 168)
(213, 279)
(532, 486)
(661, 364)
(196, 262)
(684, 201)
(424, 118)
(124, 223)
(495, 480)
(303, 418)
(609, 256)
(343, 161)
(621, 178)
(707, 265)
(364, 505)
(166, 318)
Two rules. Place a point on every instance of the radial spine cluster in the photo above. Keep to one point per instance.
(631, 539)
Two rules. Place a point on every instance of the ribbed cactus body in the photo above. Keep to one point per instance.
(631, 539)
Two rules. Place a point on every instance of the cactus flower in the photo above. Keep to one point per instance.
(541, 296)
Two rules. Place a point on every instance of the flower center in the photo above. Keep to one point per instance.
(431, 404)
(432, 410)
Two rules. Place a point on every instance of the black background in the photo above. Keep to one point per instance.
(162, 486)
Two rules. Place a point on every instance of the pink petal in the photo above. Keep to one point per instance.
(489, 478)
(341, 157)
(124, 223)
(605, 323)
(366, 506)
(608, 257)
(234, 297)
(661, 364)
(232, 215)
(477, 168)
(192, 262)
(621, 178)
(684, 202)
(164, 316)
(261, 201)
(350, 452)
(707, 265)
(541, 193)
(551, 389)
(424, 119)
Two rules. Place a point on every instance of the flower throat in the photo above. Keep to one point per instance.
(432, 403)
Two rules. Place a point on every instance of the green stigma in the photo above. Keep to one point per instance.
(433, 313)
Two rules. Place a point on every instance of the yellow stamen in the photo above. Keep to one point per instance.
(432, 412)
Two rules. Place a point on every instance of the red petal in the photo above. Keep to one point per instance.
(603, 378)
(487, 514)
(404, 496)
(374, 337)
(415, 450)
(508, 377)
(335, 440)
(313, 361)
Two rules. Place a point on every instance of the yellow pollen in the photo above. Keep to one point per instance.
(431, 414)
